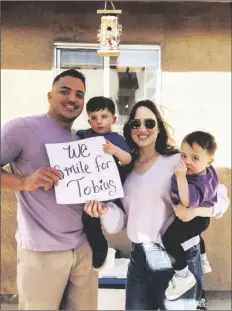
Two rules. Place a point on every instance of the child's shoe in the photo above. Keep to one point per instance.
(202, 304)
(179, 285)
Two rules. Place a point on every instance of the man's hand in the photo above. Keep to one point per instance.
(45, 177)
(180, 170)
(183, 213)
(95, 208)
(110, 148)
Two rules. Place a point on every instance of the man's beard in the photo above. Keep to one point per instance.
(67, 119)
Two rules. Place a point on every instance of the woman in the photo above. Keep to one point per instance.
(149, 212)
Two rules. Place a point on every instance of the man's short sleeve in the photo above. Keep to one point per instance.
(13, 138)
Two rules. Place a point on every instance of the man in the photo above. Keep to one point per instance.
(54, 260)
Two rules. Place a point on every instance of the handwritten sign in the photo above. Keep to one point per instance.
(87, 172)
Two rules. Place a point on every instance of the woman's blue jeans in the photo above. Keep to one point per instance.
(149, 272)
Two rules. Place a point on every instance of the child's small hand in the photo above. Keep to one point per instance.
(109, 148)
(180, 170)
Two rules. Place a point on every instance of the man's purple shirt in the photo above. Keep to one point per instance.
(43, 225)
(202, 188)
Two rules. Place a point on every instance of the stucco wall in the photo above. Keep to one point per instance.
(195, 41)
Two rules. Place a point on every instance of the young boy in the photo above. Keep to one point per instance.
(194, 184)
(101, 117)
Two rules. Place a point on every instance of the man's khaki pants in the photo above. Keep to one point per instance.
(57, 280)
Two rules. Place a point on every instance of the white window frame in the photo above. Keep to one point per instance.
(106, 62)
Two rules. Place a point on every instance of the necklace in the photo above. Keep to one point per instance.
(147, 159)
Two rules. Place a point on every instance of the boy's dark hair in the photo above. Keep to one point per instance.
(70, 73)
(100, 103)
(203, 139)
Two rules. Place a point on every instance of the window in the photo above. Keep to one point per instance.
(133, 76)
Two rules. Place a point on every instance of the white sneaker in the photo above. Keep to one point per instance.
(178, 285)
(205, 266)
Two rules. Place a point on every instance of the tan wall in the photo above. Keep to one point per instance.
(195, 41)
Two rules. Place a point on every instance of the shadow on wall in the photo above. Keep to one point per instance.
(218, 243)
(194, 36)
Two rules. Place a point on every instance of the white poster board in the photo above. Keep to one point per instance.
(88, 173)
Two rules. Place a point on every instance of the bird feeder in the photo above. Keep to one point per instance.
(109, 32)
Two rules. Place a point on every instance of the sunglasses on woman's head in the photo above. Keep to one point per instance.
(136, 123)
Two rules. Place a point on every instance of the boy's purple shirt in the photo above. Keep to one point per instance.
(202, 189)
